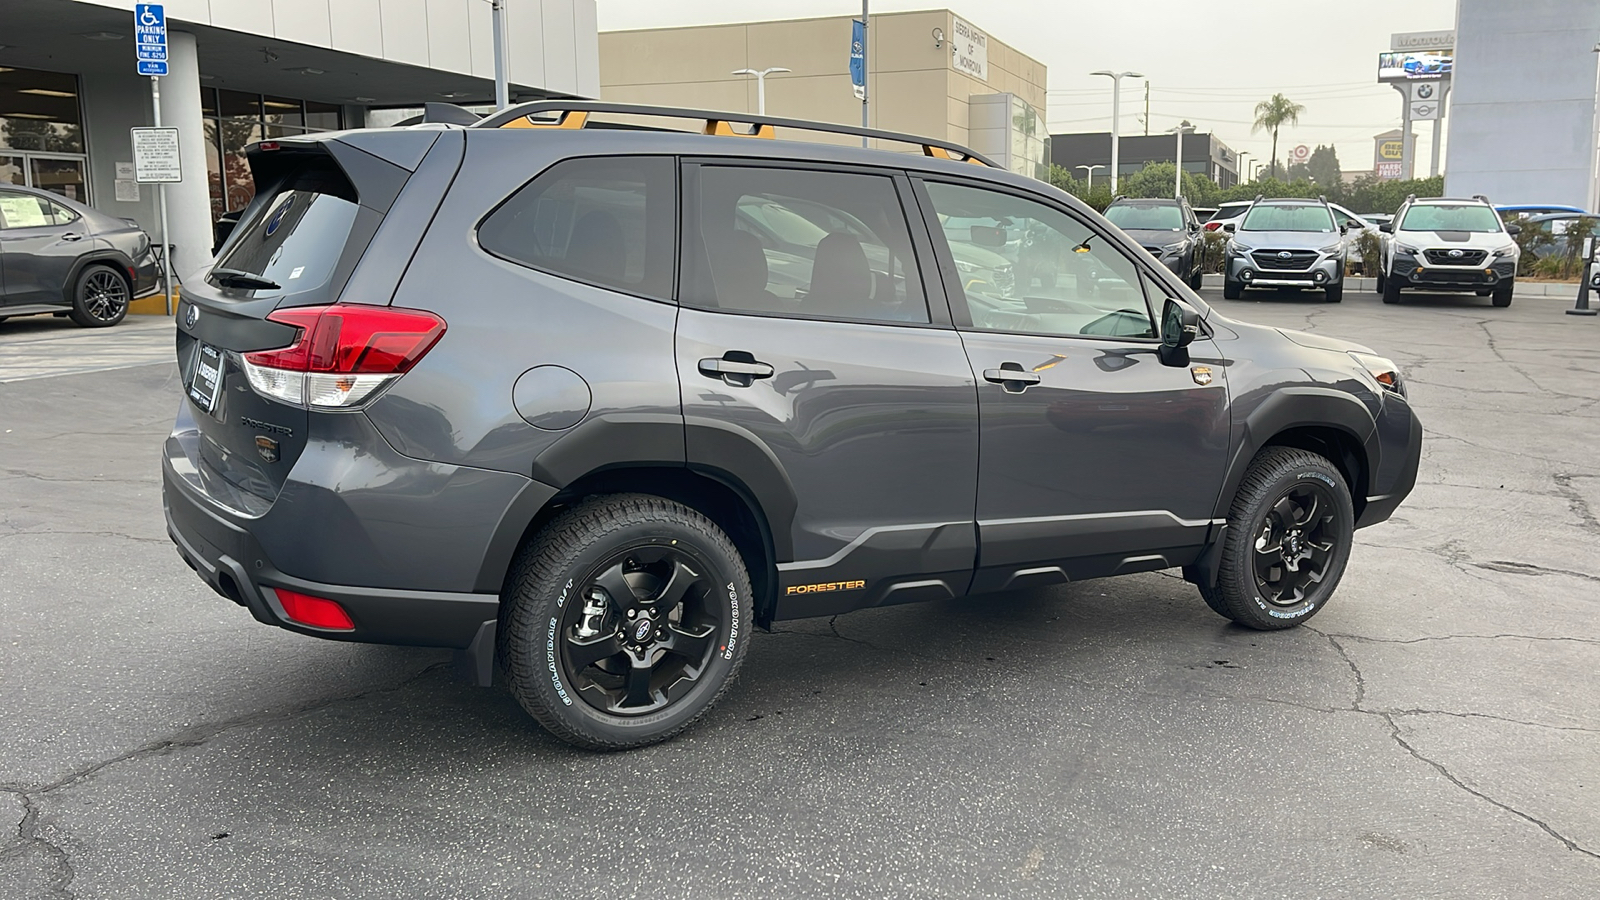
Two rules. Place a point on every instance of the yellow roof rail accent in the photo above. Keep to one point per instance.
(571, 118)
(576, 113)
(725, 128)
(938, 152)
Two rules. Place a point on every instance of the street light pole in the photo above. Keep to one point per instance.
(502, 89)
(1116, 115)
(1244, 169)
(1177, 190)
(1089, 184)
(761, 85)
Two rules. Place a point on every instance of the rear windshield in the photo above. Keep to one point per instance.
(1228, 212)
(1468, 217)
(297, 236)
(1145, 218)
(1288, 218)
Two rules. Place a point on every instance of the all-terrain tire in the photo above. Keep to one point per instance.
(1380, 285)
(1276, 476)
(1232, 290)
(545, 597)
(1335, 293)
(1502, 293)
(1391, 292)
(1196, 278)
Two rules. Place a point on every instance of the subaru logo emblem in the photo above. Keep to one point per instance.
(192, 316)
(641, 630)
(1456, 254)
(1284, 254)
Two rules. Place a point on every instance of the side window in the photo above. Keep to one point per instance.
(24, 210)
(831, 245)
(1028, 267)
(602, 220)
(60, 214)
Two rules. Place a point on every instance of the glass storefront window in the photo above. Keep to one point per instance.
(41, 132)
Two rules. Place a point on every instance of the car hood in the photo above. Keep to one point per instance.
(1323, 342)
(1148, 237)
(1288, 240)
(1477, 240)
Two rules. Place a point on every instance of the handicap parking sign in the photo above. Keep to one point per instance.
(150, 38)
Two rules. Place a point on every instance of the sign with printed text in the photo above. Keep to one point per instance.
(1423, 40)
(971, 50)
(150, 38)
(1392, 150)
(1388, 171)
(155, 156)
(858, 58)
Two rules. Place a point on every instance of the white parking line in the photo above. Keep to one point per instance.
(43, 348)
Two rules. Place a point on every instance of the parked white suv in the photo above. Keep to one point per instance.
(1444, 244)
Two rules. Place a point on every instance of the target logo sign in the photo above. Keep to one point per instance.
(1300, 154)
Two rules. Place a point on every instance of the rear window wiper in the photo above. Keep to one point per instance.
(238, 278)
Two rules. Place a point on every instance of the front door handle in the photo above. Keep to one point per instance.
(1012, 377)
(734, 370)
(72, 236)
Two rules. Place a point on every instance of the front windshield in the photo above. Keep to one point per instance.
(1288, 218)
(1439, 217)
(1145, 218)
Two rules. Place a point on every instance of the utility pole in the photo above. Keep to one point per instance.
(865, 71)
(502, 88)
(1177, 190)
(1147, 109)
(1116, 116)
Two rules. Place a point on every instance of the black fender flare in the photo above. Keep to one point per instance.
(109, 255)
(1298, 407)
(734, 456)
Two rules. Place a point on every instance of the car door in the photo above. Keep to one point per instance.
(841, 385)
(1096, 457)
(39, 242)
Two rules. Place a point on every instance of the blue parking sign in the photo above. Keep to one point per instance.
(150, 38)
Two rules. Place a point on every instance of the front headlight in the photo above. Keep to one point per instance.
(1238, 248)
(1384, 374)
(964, 266)
(1173, 248)
(1406, 248)
(1505, 252)
(1332, 248)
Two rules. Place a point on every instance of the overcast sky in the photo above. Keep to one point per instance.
(1206, 62)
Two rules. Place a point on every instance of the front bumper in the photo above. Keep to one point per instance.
(1394, 473)
(1327, 271)
(1408, 271)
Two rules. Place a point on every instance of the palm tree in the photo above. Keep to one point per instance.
(1273, 114)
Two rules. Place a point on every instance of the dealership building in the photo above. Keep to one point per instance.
(1203, 154)
(246, 71)
(1523, 126)
(929, 73)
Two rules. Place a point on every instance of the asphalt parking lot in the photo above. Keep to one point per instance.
(1435, 732)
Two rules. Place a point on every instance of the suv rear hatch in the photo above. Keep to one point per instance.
(246, 331)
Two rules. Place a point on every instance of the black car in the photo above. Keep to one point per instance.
(61, 257)
(533, 389)
(1166, 228)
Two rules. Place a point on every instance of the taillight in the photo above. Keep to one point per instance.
(1213, 226)
(342, 354)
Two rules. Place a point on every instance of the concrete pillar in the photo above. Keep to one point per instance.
(189, 202)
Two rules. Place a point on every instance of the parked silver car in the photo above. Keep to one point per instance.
(1285, 243)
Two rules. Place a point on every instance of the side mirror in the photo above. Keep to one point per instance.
(1513, 230)
(1386, 228)
(1229, 228)
(1344, 229)
(1194, 227)
(1180, 324)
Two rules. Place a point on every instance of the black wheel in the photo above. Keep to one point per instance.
(100, 298)
(624, 620)
(1231, 290)
(1335, 293)
(1196, 278)
(1391, 292)
(1288, 539)
(1379, 286)
(1502, 293)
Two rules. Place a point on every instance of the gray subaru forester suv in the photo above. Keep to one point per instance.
(589, 403)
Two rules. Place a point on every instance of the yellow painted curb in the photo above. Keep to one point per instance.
(153, 305)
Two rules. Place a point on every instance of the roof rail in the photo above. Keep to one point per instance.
(1259, 198)
(572, 114)
(1410, 197)
(1483, 198)
(447, 114)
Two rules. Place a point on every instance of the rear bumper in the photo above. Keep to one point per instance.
(230, 560)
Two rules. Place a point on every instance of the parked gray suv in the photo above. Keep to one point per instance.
(1285, 243)
(542, 391)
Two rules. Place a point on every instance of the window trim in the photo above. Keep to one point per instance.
(676, 251)
(956, 295)
(921, 250)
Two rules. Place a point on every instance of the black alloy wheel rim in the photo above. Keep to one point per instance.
(643, 629)
(1296, 544)
(105, 296)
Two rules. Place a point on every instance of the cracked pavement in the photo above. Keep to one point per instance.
(1432, 733)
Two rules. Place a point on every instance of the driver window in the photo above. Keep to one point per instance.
(1027, 267)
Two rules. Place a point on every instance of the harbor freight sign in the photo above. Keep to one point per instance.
(155, 156)
(150, 38)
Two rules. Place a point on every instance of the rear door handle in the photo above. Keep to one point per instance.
(1012, 377)
(736, 372)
